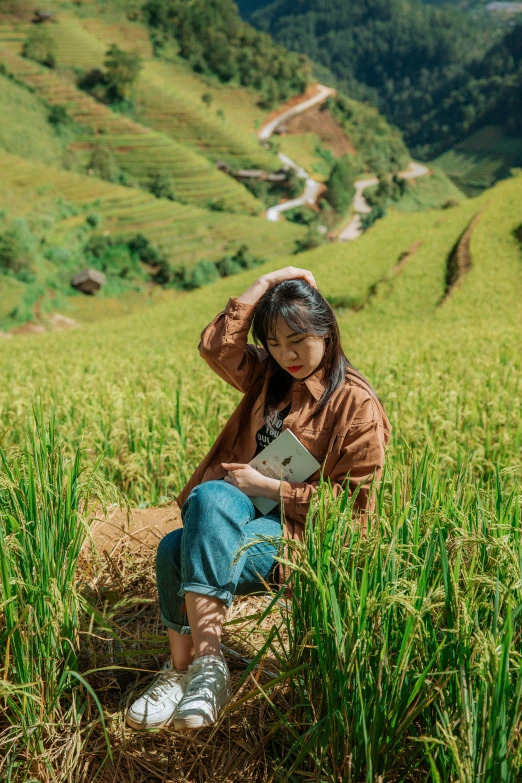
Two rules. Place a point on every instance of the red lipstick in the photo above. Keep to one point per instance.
(294, 369)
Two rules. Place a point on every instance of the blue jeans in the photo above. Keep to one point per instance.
(218, 519)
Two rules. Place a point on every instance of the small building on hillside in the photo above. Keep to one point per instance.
(88, 281)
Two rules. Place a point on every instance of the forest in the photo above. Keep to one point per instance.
(214, 39)
(437, 73)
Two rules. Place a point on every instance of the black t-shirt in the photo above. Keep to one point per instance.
(271, 429)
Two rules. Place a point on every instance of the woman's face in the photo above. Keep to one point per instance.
(291, 351)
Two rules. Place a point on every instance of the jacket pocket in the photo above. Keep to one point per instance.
(316, 441)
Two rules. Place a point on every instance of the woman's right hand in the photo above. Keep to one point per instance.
(253, 294)
(288, 273)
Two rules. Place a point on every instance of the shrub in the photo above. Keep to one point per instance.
(58, 117)
(340, 185)
(162, 186)
(368, 220)
(58, 255)
(17, 249)
(451, 202)
(216, 204)
(302, 215)
(312, 238)
(102, 163)
(122, 257)
(40, 47)
(93, 219)
(112, 85)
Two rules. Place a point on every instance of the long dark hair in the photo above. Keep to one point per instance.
(304, 309)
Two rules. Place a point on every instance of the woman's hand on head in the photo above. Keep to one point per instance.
(245, 477)
(288, 273)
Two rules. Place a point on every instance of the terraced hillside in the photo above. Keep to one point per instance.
(167, 95)
(185, 234)
(138, 150)
(482, 158)
(25, 128)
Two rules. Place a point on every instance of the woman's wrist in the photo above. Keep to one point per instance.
(253, 294)
(271, 488)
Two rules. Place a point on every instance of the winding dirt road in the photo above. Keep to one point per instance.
(361, 206)
(312, 188)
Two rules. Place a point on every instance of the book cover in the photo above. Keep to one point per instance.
(285, 458)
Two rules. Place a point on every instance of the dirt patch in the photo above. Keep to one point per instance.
(310, 92)
(405, 256)
(55, 322)
(145, 528)
(458, 262)
(59, 321)
(319, 120)
(30, 327)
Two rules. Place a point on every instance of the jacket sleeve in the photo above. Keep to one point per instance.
(361, 457)
(223, 345)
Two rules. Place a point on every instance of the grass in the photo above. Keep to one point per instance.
(403, 646)
(44, 522)
(430, 191)
(398, 658)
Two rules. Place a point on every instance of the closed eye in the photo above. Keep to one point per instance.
(294, 342)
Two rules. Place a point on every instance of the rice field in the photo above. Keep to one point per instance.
(185, 233)
(399, 658)
(167, 96)
(141, 152)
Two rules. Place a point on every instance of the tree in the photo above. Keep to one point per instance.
(41, 47)
(207, 99)
(122, 69)
(162, 186)
(102, 164)
(340, 185)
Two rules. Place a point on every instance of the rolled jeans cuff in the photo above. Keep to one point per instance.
(216, 592)
(175, 626)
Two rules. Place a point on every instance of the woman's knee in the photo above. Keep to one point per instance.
(211, 497)
(168, 555)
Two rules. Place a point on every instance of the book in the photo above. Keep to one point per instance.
(284, 458)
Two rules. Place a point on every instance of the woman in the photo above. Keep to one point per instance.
(300, 376)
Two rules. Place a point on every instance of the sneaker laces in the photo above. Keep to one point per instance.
(164, 683)
(200, 680)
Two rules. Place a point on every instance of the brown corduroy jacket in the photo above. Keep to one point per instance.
(348, 437)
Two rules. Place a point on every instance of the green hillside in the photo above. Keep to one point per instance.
(25, 128)
(437, 71)
(62, 212)
(141, 153)
(165, 99)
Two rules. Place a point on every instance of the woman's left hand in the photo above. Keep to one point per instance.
(246, 478)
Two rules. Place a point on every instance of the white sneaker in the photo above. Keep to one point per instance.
(207, 690)
(156, 706)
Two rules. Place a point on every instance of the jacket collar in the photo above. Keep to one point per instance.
(316, 383)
